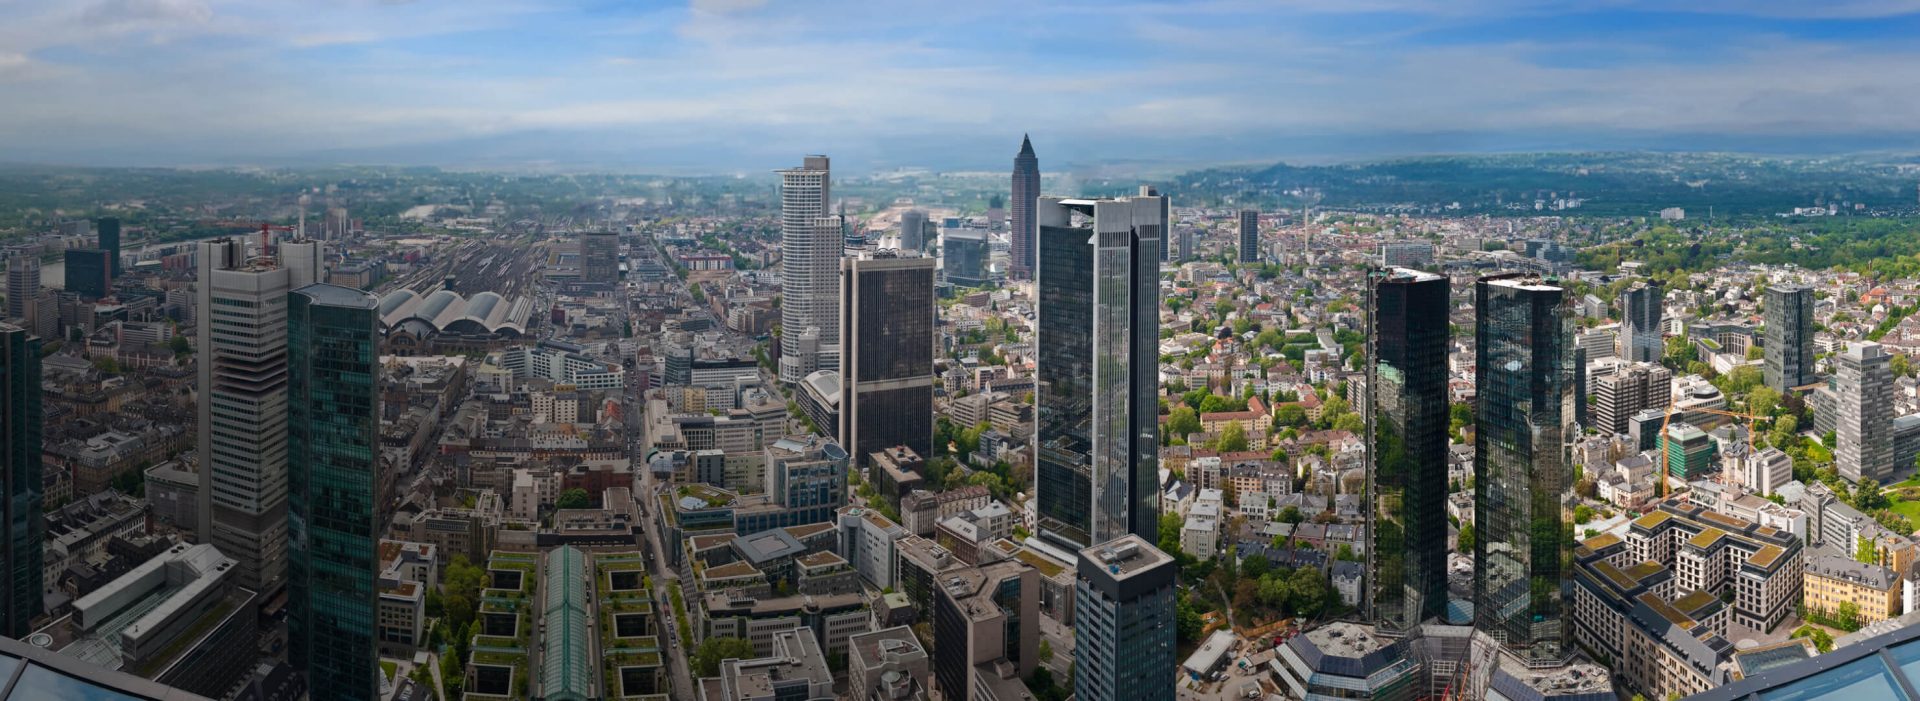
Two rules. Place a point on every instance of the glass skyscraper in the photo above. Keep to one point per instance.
(1522, 475)
(1640, 335)
(1026, 194)
(1098, 283)
(1789, 337)
(1406, 413)
(886, 367)
(108, 231)
(26, 526)
(333, 430)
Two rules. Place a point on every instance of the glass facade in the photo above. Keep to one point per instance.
(333, 428)
(1064, 476)
(20, 419)
(965, 255)
(89, 273)
(1097, 412)
(1521, 470)
(108, 229)
(1788, 351)
(1407, 417)
(887, 369)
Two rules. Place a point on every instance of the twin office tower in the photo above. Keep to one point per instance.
(1525, 413)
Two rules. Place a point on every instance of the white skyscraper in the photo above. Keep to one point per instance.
(23, 281)
(242, 359)
(811, 241)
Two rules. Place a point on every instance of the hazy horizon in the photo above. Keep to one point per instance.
(725, 86)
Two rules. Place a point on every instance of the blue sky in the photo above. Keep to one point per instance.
(724, 85)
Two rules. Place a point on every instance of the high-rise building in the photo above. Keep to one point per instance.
(333, 435)
(1640, 338)
(1863, 387)
(1123, 621)
(913, 230)
(1522, 475)
(1152, 194)
(1249, 236)
(242, 442)
(983, 616)
(23, 280)
(25, 524)
(1407, 419)
(108, 229)
(965, 254)
(1617, 397)
(1099, 317)
(1789, 337)
(811, 241)
(886, 369)
(1026, 194)
(600, 258)
(1185, 247)
(89, 273)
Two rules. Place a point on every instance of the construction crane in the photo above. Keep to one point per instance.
(1752, 420)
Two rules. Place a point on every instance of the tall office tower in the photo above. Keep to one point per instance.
(242, 442)
(89, 273)
(1123, 621)
(886, 369)
(1789, 336)
(810, 245)
(600, 258)
(913, 230)
(1522, 474)
(1406, 413)
(1640, 339)
(25, 524)
(23, 280)
(1185, 247)
(1026, 194)
(333, 434)
(1863, 384)
(1148, 192)
(109, 234)
(1098, 285)
(1249, 236)
(1628, 391)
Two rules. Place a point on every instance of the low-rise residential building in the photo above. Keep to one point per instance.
(1832, 581)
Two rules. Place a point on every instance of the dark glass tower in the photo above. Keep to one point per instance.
(25, 524)
(333, 428)
(1406, 414)
(1789, 350)
(89, 272)
(1026, 191)
(1098, 432)
(886, 369)
(1522, 476)
(1249, 236)
(108, 229)
(1640, 337)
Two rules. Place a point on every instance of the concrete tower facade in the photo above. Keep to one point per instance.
(811, 242)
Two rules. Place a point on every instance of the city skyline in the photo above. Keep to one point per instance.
(544, 83)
